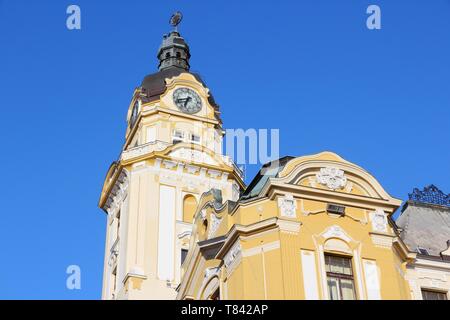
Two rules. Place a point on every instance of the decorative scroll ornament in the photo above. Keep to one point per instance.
(332, 177)
(215, 222)
(431, 195)
(209, 272)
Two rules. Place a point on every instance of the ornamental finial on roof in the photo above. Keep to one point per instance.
(175, 20)
(431, 195)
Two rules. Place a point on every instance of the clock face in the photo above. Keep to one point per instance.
(187, 100)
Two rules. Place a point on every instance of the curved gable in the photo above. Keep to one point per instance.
(328, 171)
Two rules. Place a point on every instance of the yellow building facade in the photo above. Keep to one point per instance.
(313, 227)
(182, 224)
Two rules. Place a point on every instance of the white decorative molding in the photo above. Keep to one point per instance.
(336, 232)
(379, 221)
(233, 257)
(192, 155)
(288, 206)
(215, 223)
(114, 253)
(214, 173)
(184, 234)
(289, 226)
(332, 177)
(310, 286)
(117, 195)
(143, 150)
(337, 245)
(210, 272)
(235, 192)
(192, 169)
(169, 164)
(382, 241)
(372, 279)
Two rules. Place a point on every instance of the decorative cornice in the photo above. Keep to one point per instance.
(143, 150)
(117, 194)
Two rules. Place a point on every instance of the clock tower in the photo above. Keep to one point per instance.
(172, 155)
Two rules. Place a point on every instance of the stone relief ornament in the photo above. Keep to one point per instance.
(288, 206)
(379, 221)
(203, 214)
(233, 254)
(114, 254)
(209, 272)
(336, 232)
(331, 177)
(215, 222)
(117, 195)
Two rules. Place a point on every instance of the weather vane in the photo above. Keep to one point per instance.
(176, 19)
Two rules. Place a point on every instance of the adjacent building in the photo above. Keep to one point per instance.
(425, 229)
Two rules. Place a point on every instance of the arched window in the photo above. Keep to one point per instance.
(189, 207)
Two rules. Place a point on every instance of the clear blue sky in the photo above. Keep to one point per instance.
(311, 68)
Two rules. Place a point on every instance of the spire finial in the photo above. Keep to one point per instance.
(174, 51)
(175, 20)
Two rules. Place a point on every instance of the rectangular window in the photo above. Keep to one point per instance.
(423, 251)
(340, 278)
(178, 136)
(184, 253)
(195, 138)
(433, 295)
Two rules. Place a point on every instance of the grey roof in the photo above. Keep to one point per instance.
(269, 170)
(426, 226)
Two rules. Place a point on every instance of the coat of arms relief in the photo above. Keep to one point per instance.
(332, 177)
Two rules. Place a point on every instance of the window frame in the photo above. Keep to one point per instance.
(185, 252)
(176, 138)
(191, 138)
(434, 291)
(341, 276)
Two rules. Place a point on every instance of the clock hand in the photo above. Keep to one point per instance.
(186, 102)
